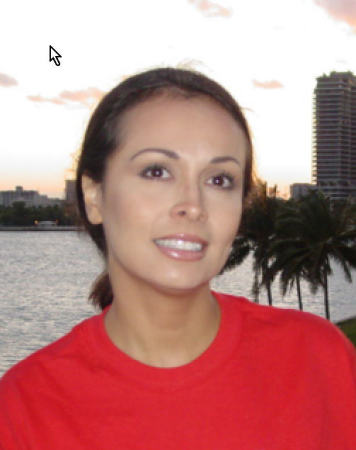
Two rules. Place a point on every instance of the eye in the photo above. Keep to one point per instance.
(154, 171)
(223, 180)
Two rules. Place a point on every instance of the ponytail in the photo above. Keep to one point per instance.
(101, 294)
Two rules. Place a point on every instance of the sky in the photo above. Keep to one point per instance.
(268, 54)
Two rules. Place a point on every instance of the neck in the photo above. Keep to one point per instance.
(162, 328)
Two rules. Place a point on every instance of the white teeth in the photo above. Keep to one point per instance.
(179, 244)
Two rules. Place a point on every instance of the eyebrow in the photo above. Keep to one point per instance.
(174, 155)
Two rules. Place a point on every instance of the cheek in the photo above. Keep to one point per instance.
(129, 210)
(227, 218)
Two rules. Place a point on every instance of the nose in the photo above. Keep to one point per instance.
(189, 204)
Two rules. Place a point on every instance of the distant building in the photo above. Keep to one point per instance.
(70, 195)
(298, 190)
(30, 198)
(334, 140)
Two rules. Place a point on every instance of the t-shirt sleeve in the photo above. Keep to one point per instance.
(339, 359)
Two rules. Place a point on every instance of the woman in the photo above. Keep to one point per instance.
(165, 168)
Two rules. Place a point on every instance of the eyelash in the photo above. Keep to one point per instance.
(229, 177)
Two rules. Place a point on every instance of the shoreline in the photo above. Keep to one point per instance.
(346, 321)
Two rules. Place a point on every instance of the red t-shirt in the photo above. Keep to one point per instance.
(271, 379)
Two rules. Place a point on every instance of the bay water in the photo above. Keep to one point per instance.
(45, 279)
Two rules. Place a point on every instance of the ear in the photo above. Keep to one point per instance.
(93, 199)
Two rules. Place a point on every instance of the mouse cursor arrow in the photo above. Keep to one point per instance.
(54, 56)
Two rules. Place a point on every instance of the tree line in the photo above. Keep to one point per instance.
(295, 240)
(18, 214)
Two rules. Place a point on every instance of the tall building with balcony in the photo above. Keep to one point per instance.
(334, 135)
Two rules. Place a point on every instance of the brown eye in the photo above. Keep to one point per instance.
(154, 172)
(223, 180)
(218, 181)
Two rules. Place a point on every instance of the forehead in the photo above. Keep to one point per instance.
(173, 120)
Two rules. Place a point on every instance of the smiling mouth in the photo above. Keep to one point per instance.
(179, 244)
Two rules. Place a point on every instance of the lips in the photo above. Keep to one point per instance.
(184, 247)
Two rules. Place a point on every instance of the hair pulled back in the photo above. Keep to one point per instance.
(102, 138)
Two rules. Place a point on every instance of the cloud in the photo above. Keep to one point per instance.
(211, 9)
(39, 98)
(273, 84)
(7, 81)
(84, 97)
(343, 10)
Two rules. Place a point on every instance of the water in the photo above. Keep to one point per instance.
(46, 278)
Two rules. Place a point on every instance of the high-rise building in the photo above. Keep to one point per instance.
(70, 194)
(334, 140)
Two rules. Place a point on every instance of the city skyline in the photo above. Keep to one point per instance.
(267, 54)
(29, 197)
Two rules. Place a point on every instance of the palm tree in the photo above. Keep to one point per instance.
(286, 253)
(288, 262)
(256, 232)
(311, 234)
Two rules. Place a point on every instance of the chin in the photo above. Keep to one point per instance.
(181, 290)
(182, 283)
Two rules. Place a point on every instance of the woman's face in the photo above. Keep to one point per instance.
(176, 182)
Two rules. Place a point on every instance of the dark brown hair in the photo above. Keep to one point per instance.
(102, 138)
